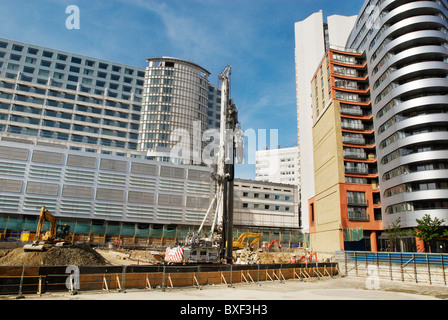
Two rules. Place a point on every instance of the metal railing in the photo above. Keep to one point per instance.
(417, 267)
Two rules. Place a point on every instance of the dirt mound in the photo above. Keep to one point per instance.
(274, 257)
(144, 256)
(79, 255)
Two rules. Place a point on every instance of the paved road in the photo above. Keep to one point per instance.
(329, 289)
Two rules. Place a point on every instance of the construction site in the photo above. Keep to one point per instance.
(53, 259)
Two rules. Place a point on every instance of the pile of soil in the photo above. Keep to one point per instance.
(79, 255)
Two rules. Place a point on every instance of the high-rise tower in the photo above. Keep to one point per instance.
(174, 110)
(406, 47)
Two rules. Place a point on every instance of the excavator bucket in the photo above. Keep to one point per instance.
(34, 247)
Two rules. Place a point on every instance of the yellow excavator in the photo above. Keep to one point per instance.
(58, 235)
(239, 243)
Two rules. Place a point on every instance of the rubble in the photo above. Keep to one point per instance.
(246, 256)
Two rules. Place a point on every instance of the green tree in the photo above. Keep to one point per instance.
(429, 230)
(394, 232)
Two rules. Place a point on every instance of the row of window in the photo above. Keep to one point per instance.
(416, 186)
(73, 137)
(245, 205)
(418, 167)
(268, 196)
(62, 115)
(65, 58)
(64, 95)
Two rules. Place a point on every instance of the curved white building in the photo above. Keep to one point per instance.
(406, 46)
(174, 110)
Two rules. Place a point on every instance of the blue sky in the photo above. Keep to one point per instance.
(255, 37)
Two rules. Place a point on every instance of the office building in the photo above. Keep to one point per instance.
(174, 110)
(214, 107)
(277, 165)
(269, 208)
(68, 99)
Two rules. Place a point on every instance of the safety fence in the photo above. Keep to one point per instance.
(431, 268)
(39, 280)
(128, 233)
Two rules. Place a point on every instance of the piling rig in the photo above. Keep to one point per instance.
(217, 245)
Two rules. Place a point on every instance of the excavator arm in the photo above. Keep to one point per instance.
(239, 243)
(45, 215)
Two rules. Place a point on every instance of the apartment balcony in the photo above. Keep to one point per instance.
(353, 140)
(356, 170)
(357, 215)
(354, 155)
(352, 111)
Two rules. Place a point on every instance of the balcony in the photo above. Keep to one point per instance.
(353, 140)
(356, 213)
(357, 170)
(352, 154)
(352, 111)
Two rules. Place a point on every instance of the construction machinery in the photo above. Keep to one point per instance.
(274, 245)
(239, 243)
(217, 245)
(57, 235)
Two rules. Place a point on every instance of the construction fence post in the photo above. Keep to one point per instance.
(443, 268)
(163, 279)
(231, 276)
(199, 277)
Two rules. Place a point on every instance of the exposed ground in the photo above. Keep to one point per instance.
(82, 255)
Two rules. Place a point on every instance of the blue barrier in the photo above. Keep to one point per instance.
(440, 259)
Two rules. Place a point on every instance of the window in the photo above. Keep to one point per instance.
(102, 65)
(28, 70)
(33, 51)
(47, 54)
(62, 57)
(245, 205)
(15, 57)
(45, 63)
(74, 69)
(72, 78)
(354, 197)
(76, 60)
(17, 47)
(30, 60)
